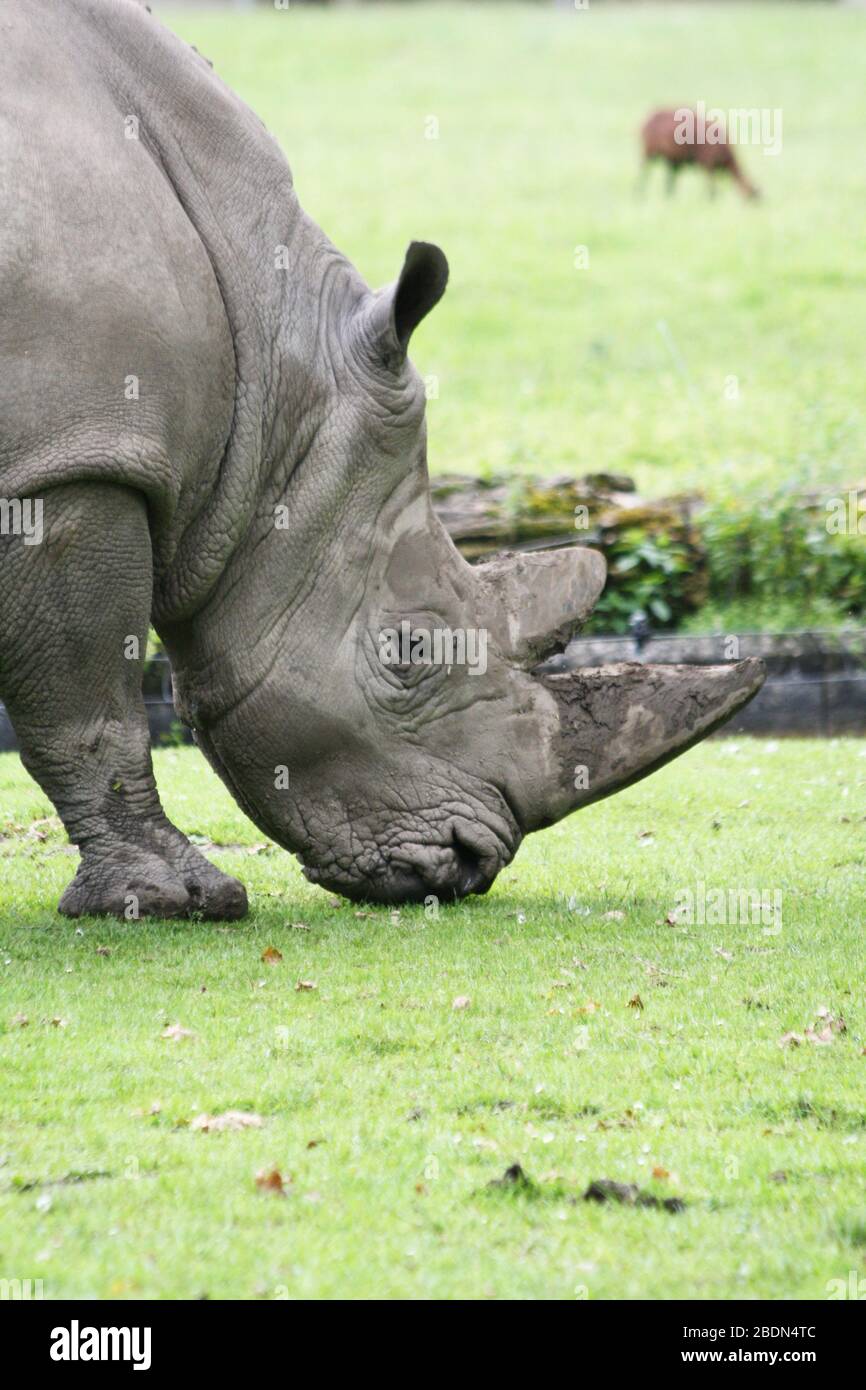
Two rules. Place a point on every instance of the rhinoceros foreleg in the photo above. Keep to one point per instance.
(74, 614)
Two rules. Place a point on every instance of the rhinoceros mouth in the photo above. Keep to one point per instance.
(415, 873)
(398, 884)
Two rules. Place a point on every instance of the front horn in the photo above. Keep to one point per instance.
(619, 723)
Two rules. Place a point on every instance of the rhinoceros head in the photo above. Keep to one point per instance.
(400, 737)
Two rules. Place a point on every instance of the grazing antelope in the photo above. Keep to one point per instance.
(675, 137)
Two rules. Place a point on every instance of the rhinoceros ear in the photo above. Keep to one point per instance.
(401, 307)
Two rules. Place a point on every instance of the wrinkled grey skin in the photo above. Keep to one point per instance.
(267, 378)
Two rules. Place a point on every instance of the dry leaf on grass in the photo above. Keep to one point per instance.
(826, 1019)
(272, 1180)
(820, 1034)
(636, 1003)
(305, 985)
(271, 956)
(174, 1033)
(230, 1119)
(821, 1038)
(154, 1109)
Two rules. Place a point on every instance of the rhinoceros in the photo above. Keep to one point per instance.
(217, 425)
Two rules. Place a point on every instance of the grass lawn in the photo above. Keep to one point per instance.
(391, 1110)
(535, 110)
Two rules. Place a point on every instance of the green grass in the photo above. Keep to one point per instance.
(548, 368)
(414, 1106)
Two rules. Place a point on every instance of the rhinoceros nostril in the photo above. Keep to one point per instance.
(471, 877)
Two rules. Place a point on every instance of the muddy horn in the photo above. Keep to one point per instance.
(618, 723)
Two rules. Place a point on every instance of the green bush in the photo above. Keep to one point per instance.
(781, 549)
(769, 562)
(649, 571)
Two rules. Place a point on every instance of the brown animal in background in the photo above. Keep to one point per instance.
(659, 135)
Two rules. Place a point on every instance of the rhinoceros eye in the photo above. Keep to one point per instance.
(396, 665)
(406, 650)
(398, 655)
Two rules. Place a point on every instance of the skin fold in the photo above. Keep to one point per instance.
(227, 438)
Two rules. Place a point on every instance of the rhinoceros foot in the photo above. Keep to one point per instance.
(216, 895)
(131, 882)
(127, 882)
(213, 894)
